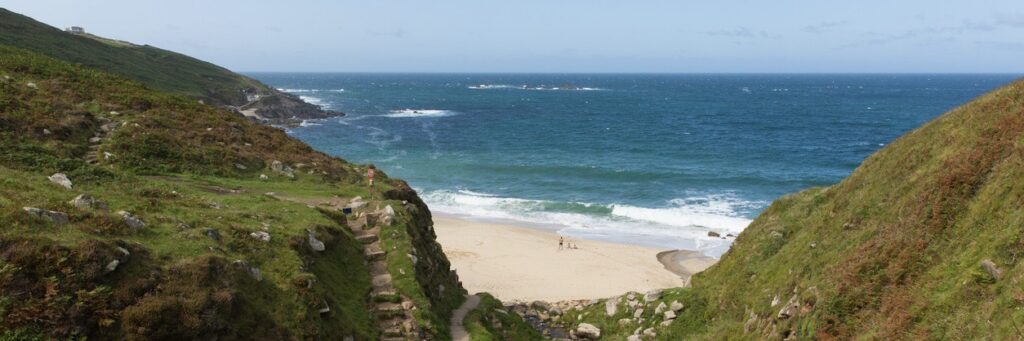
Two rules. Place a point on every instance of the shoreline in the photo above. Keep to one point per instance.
(516, 262)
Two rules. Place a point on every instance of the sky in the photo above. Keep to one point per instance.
(568, 36)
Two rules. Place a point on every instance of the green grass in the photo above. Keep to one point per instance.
(891, 252)
(490, 321)
(175, 165)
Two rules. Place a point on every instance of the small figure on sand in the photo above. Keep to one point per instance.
(561, 241)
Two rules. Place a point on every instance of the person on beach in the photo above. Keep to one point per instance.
(561, 240)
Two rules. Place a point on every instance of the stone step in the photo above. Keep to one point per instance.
(381, 280)
(387, 310)
(367, 238)
(384, 290)
(374, 255)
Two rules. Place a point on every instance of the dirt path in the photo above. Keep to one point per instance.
(458, 331)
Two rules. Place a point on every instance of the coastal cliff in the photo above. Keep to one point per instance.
(161, 70)
(127, 213)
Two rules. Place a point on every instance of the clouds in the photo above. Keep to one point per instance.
(998, 22)
(741, 32)
(823, 27)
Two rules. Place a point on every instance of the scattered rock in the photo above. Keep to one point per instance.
(413, 258)
(32, 85)
(241, 166)
(633, 337)
(790, 309)
(611, 306)
(123, 251)
(676, 306)
(624, 322)
(775, 234)
(112, 265)
(848, 226)
(132, 221)
(649, 332)
(85, 201)
(61, 179)
(57, 218)
(255, 273)
(713, 234)
(588, 331)
(264, 177)
(670, 315)
(107, 155)
(652, 295)
(314, 243)
(540, 305)
(212, 233)
(47, 132)
(261, 236)
(114, 113)
(95, 139)
(282, 169)
(631, 296)
(992, 269)
(638, 313)
(660, 308)
(776, 300)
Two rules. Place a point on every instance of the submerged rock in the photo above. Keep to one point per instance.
(53, 216)
(61, 179)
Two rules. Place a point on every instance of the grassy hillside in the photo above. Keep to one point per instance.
(159, 69)
(207, 185)
(923, 241)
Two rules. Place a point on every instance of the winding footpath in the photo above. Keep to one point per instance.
(458, 331)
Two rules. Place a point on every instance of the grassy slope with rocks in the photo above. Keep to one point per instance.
(490, 320)
(157, 68)
(923, 241)
(192, 173)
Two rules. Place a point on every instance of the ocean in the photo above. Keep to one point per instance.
(657, 160)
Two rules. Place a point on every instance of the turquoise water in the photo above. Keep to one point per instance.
(657, 160)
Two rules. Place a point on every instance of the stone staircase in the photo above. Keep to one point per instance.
(392, 310)
(93, 156)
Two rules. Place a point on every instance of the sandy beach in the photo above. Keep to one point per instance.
(525, 264)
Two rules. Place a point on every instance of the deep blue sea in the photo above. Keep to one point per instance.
(657, 160)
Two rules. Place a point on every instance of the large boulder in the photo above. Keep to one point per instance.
(588, 331)
(61, 179)
(53, 216)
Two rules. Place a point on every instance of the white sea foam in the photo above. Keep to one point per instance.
(683, 224)
(535, 88)
(310, 123)
(412, 113)
(314, 101)
(309, 90)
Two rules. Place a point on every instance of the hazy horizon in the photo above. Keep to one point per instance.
(656, 37)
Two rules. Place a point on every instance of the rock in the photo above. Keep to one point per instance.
(32, 85)
(114, 113)
(588, 331)
(713, 234)
(776, 300)
(123, 251)
(55, 217)
(61, 179)
(624, 322)
(255, 273)
(212, 233)
(47, 132)
(670, 315)
(95, 139)
(112, 265)
(264, 177)
(775, 234)
(660, 308)
(540, 305)
(676, 306)
(241, 166)
(261, 236)
(631, 296)
(633, 304)
(992, 269)
(790, 309)
(326, 309)
(107, 155)
(649, 332)
(413, 258)
(633, 337)
(314, 243)
(132, 221)
(652, 295)
(85, 201)
(280, 168)
(638, 313)
(611, 306)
